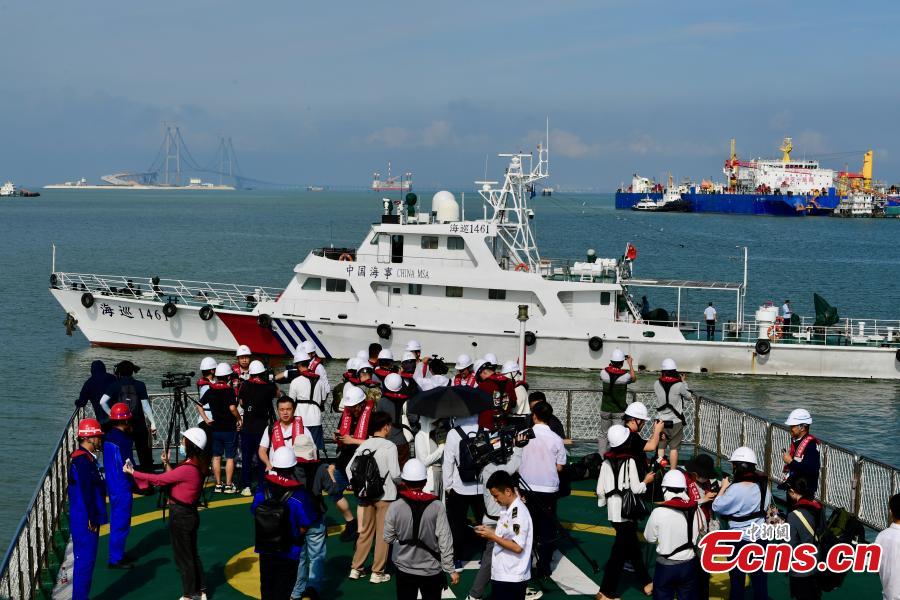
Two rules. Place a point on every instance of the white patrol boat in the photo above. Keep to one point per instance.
(463, 286)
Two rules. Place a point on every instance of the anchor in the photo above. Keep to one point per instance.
(70, 323)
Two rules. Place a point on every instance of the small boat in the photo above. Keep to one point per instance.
(671, 201)
(9, 189)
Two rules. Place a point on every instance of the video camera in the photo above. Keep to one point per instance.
(177, 380)
(496, 446)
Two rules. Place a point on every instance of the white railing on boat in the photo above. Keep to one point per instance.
(226, 296)
(847, 479)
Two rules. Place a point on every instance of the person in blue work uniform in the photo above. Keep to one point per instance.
(117, 450)
(94, 388)
(279, 550)
(87, 506)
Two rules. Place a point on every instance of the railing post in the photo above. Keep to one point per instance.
(569, 413)
(857, 485)
(768, 449)
(823, 476)
(697, 402)
(719, 436)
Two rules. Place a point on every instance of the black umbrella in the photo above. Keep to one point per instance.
(456, 401)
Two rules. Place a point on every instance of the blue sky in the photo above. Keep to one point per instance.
(315, 92)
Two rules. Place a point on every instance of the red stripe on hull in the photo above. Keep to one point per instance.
(247, 331)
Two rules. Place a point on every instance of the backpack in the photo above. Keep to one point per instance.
(274, 532)
(468, 470)
(418, 508)
(365, 478)
(841, 528)
(128, 395)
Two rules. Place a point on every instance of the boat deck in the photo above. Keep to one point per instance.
(231, 568)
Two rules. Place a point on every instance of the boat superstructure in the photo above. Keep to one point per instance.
(456, 285)
(391, 183)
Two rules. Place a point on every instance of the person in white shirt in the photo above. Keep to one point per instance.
(371, 514)
(710, 315)
(786, 312)
(513, 539)
(610, 486)
(309, 391)
(290, 432)
(675, 527)
(542, 460)
(889, 540)
(462, 492)
(431, 453)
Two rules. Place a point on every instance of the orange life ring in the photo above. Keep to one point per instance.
(345, 257)
(522, 267)
(774, 332)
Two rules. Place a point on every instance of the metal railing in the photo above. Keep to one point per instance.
(180, 291)
(37, 548)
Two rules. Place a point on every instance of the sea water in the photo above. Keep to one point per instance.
(257, 238)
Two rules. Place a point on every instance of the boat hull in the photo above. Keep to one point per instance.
(741, 204)
(106, 324)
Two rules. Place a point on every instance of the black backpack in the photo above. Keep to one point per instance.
(273, 524)
(841, 528)
(418, 507)
(468, 470)
(365, 478)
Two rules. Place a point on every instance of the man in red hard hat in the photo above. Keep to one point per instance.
(118, 451)
(87, 506)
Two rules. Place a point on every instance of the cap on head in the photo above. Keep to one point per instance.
(386, 354)
(243, 351)
(674, 479)
(669, 365)
(637, 410)
(510, 367)
(393, 382)
(463, 361)
(119, 412)
(743, 454)
(284, 458)
(617, 435)
(353, 396)
(414, 471)
(408, 356)
(89, 428)
(208, 364)
(256, 367)
(223, 370)
(617, 356)
(196, 435)
(799, 416)
(413, 346)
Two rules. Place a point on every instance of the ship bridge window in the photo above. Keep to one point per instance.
(335, 285)
(429, 242)
(605, 298)
(312, 283)
(396, 248)
(453, 291)
(374, 240)
(415, 289)
(454, 242)
(496, 294)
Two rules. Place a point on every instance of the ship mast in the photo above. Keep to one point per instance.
(510, 205)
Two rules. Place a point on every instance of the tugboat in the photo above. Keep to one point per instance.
(672, 200)
(452, 283)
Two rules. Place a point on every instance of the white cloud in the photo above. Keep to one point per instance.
(811, 142)
(437, 133)
(781, 120)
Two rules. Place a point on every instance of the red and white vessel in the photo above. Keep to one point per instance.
(458, 285)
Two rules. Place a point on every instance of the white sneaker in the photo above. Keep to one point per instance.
(246, 491)
(533, 593)
(357, 573)
(379, 578)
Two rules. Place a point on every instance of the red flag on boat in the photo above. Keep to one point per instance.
(630, 252)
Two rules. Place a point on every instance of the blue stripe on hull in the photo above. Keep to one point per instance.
(315, 339)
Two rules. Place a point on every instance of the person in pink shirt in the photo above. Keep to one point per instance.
(183, 485)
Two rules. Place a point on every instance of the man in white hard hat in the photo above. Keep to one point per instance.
(417, 528)
(675, 526)
(243, 357)
(744, 503)
(615, 380)
(385, 364)
(225, 427)
(309, 392)
(634, 419)
(422, 369)
(465, 374)
(802, 458)
(671, 395)
(512, 371)
(207, 377)
(315, 364)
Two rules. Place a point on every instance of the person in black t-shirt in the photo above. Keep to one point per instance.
(256, 397)
(226, 423)
(636, 416)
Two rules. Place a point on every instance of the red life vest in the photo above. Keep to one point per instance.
(353, 379)
(679, 503)
(278, 435)
(382, 373)
(797, 450)
(418, 495)
(615, 371)
(219, 385)
(469, 381)
(813, 504)
(361, 431)
(314, 363)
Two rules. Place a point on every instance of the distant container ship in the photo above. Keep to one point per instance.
(392, 183)
(782, 187)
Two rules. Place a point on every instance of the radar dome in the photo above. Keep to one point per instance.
(445, 207)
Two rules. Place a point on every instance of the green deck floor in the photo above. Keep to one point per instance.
(226, 540)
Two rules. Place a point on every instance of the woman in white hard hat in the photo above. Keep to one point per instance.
(675, 526)
(671, 395)
(619, 473)
(183, 484)
(744, 503)
(465, 375)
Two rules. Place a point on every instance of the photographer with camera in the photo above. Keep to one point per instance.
(132, 392)
(619, 488)
(542, 460)
(256, 397)
(615, 381)
(671, 394)
(462, 491)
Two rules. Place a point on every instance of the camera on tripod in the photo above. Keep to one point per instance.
(497, 446)
(177, 380)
